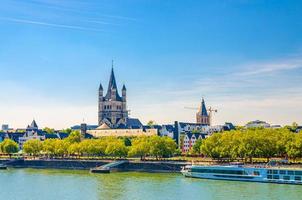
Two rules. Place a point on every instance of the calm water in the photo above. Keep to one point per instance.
(30, 184)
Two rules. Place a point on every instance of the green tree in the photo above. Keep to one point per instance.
(151, 123)
(210, 146)
(32, 147)
(68, 130)
(9, 146)
(116, 148)
(89, 147)
(294, 126)
(294, 147)
(140, 147)
(74, 149)
(74, 136)
(162, 146)
(49, 130)
(127, 141)
(101, 145)
(61, 147)
(49, 147)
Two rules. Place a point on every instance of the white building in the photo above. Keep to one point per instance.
(5, 127)
(189, 141)
(257, 124)
(32, 132)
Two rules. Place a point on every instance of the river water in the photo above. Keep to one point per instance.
(40, 184)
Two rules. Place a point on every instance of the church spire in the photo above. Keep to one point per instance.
(112, 91)
(203, 110)
(112, 81)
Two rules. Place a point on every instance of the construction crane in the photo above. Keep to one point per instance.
(210, 110)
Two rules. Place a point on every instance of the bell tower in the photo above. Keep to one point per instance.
(202, 116)
(112, 106)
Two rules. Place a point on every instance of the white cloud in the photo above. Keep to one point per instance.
(55, 25)
(270, 67)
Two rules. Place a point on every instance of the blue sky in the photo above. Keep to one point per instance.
(242, 56)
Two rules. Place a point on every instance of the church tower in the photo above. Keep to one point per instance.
(112, 107)
(202, 116)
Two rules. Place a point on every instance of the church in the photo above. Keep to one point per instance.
(112, 108)
(113, 116)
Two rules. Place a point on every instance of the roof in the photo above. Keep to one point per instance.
(124, 87)
(63, 135)
(101, 87)
(202, 109)
(103, 126)
(15, 136)
(183, 124)
(112, 86)
(169, 127)
(190, 135)
(134, 123)
(51, 136)
(89, 127)
(33, 125)
(257, 122)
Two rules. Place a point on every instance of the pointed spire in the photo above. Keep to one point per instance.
(112, 82)
(204, 111)
(101, 87)
(124, 87)
(33, 124)
(112, 86)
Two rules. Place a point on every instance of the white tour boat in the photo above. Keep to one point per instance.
(240, 173)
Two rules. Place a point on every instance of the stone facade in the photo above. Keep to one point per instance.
(121, 132)
(202, 116)
(112, 108)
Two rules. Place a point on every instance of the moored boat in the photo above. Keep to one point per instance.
(240, 173)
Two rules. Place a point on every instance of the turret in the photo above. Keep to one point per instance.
(124, 92)
(101, 91)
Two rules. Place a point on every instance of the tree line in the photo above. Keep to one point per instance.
(75, 146)
(251, 143)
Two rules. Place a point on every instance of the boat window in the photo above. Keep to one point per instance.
(297, 178)
(233, 176)
(282, 172)
(275, 176)
(298, 173)
(269, 171)
(275, 172)
(286, 178)
(256, 173)
(269, 176)
(290, 172)
(218, 171)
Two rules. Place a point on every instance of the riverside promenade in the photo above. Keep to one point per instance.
(141, 166)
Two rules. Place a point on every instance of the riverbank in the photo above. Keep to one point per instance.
(140, 166)
(131, 165)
